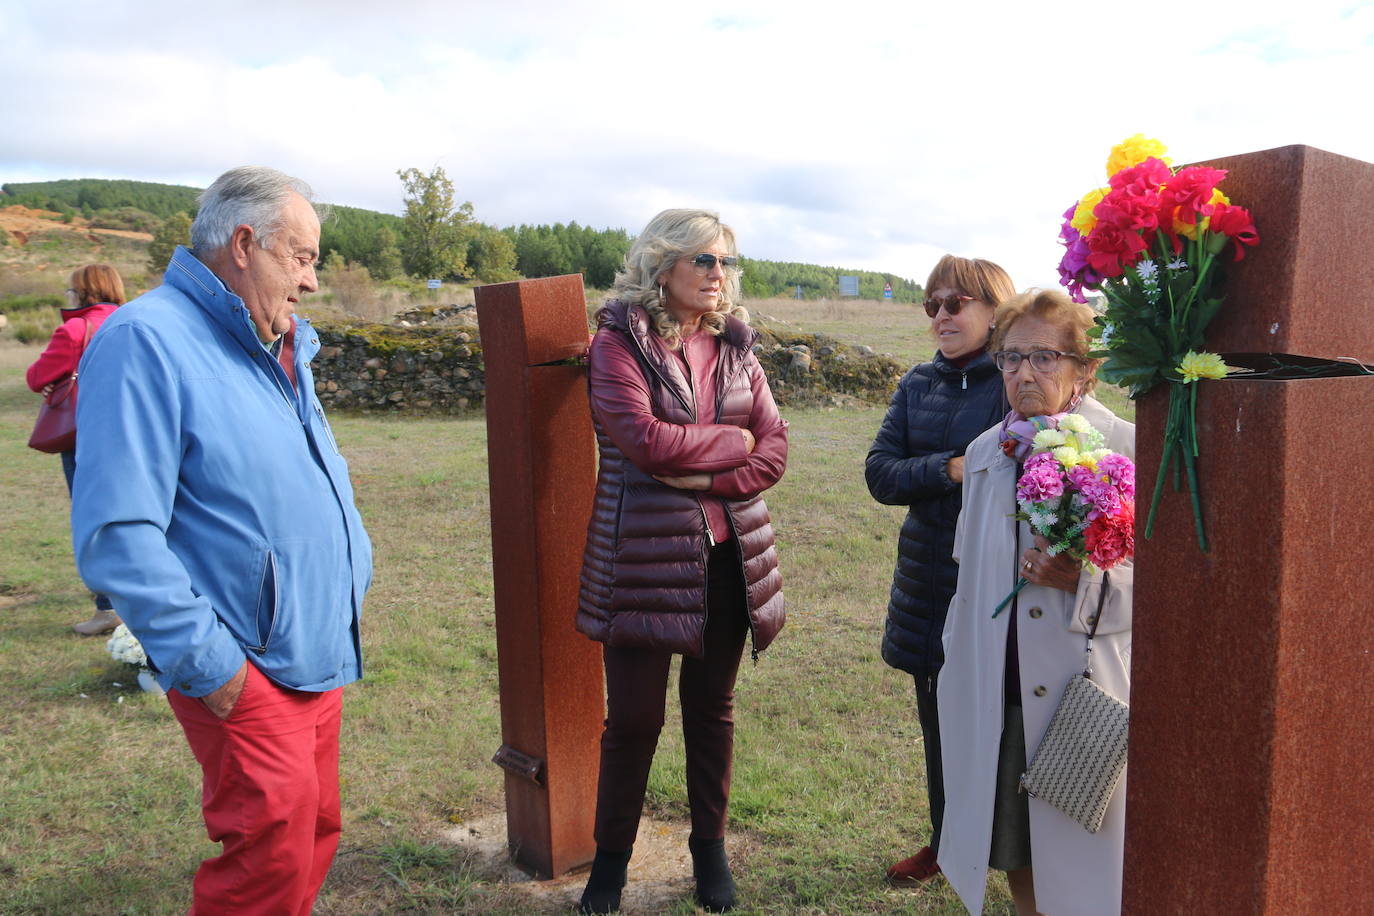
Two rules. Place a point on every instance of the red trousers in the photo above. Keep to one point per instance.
(270, 795)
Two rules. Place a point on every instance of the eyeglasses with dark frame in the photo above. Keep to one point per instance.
(952, 304)
(706, 262)
(1041, 360)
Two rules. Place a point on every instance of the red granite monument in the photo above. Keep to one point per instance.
(1252, 702)
(542, 466)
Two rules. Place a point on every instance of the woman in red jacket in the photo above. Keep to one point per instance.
(680, 555)
(96, 290)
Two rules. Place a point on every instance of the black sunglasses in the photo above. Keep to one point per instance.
(952, 304)
(707, 262)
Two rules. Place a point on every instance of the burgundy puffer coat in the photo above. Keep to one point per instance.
(644, 569)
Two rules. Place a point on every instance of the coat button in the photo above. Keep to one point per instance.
(1040, 691)
(1036, 613)
(1092, 619)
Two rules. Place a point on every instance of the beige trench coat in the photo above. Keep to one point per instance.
(1076, 872)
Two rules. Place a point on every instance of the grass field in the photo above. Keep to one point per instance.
(98, 792)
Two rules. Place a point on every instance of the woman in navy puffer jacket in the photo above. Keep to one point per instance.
(917, 460)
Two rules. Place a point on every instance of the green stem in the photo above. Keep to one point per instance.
(1166, 255)
(1170, 435)
(1021, 583)
(1176, 467)
(1192, 417)
(1196, 499)
(1190, 454)
(1198, 286)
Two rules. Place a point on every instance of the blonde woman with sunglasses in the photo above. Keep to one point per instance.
(680, 558)
(917, 461)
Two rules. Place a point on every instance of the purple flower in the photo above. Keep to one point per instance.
(1120, 471)
(1067, 233)
(1081, 476)
(1102, 496)
(1074, 270)
(1041, 480)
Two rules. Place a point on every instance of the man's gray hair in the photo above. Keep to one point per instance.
(251, 195)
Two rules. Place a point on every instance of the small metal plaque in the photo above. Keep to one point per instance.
(519, 764)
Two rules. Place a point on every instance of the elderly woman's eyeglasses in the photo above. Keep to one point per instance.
(1040, 360)
(705, 263)
(952, 304)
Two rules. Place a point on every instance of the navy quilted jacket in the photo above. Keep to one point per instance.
(937, 410)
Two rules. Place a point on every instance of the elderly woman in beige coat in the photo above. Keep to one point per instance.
(1003, 676)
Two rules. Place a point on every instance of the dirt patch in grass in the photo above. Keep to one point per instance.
(660, 872)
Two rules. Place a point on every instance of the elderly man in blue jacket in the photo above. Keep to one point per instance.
(215, 510)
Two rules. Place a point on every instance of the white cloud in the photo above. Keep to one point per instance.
(863, 134)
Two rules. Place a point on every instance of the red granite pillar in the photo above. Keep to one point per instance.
(542, 466)
(1252, 703)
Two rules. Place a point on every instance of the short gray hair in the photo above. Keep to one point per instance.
(670, 236)
(251, 195)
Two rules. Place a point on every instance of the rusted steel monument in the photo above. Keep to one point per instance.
(1252, 702)
(541, 453)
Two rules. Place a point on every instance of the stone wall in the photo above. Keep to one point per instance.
(405, 369)
(812, 369)
(433, 364)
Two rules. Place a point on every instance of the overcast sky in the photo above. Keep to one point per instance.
(849, 133)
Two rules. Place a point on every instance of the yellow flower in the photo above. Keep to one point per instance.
(1048, 438)
(1133, 151)
(1196, 229)
(1075, 423)
(1066, 455)
(1083, 219)
(1196, 366)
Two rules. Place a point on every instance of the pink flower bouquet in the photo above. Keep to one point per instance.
(1077, 495)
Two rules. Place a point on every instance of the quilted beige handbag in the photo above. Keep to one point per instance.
(1079, 762)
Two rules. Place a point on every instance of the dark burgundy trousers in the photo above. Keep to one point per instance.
(636, 691)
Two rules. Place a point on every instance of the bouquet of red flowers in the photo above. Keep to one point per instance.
(1150, 242)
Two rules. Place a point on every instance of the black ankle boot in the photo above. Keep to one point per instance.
(715, 884)
(602, 893)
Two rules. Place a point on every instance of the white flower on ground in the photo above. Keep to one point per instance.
(124, 647)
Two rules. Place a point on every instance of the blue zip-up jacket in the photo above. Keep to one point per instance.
(937, 410)
(211, 503)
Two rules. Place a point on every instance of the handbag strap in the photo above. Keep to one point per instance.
(1092, 629)
(84, 342)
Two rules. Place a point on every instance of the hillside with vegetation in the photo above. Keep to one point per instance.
(87, 196)
(373, 273)
(382, 244)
